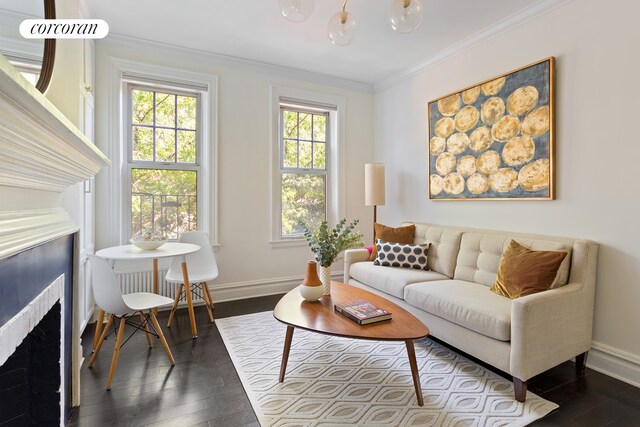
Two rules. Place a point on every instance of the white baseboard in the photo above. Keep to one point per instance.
(614, 363)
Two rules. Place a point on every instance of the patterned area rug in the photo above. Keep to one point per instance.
(334, 381)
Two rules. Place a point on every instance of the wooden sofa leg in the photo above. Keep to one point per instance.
(520, 389)
(581, 363)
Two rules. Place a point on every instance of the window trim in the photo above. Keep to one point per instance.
(118, 226)
(336, 107)
(131, 164)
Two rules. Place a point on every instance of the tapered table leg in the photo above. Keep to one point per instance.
(285, 353)
(187, 286)
(414, 371)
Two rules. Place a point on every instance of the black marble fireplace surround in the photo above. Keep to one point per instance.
(23, 277)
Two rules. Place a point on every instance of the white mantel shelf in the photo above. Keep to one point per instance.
(39, 147)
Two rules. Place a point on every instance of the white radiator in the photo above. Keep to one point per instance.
(142, 281)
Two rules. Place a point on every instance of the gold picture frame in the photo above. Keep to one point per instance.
(495, 140)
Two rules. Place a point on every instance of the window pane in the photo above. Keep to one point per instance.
(165, 109)
(187, 146)
(290, 124)
(186, 112)
(319, 128)
(305, 154)
(142, 103)
(142, 143)
(163, 201)
(305, 126)
(290, 153)
(303, 202)
(165, 146)
(319, 155)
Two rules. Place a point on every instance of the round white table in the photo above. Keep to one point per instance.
(131, 253)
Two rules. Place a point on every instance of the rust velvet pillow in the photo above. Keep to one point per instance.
(393, 235)
(523, 271)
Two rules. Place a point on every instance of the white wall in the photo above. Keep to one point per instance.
(245, 257)
(597, 145)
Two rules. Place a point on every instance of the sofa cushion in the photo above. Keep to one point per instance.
(465, 303)
(480, 254)
(444, 244)
(524, 272)
(390, 280)
(403, 234)
(400, 255)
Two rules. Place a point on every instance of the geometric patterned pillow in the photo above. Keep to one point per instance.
(401, 255)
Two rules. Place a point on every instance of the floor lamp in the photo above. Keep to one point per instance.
(374, 189)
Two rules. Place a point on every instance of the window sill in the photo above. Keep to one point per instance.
(285, 243)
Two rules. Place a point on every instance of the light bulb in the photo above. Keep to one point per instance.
(342, 28)
(405, 15)
(296, 11)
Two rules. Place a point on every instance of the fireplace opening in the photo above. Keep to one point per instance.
(30, 378)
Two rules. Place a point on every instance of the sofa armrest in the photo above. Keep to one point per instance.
(549, 328)
(351, 256)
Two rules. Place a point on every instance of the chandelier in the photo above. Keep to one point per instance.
(404, 17)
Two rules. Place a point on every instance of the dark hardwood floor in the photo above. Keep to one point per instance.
(203, 389)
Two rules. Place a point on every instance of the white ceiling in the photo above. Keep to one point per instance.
(255, 30)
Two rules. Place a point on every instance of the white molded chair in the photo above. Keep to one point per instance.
(202, 268)
(111, 300)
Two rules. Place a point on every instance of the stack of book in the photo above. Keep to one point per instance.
(362, 312)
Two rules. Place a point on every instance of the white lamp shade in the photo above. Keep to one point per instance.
(374, 184)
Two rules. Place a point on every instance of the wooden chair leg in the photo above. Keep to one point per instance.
(187, 285)
(207, 301)
(105, 331)
(520, 389)
(145, 324)
(209, 295)
(156, 325)
(98, 332)
(175, 305)
(581, 363)
(116, 352)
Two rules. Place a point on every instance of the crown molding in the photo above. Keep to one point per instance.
(41, 149)
(504, 25)
(176, 51)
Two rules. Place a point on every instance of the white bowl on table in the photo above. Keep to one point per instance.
(147, 245)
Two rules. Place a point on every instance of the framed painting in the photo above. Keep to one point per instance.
(494, 140)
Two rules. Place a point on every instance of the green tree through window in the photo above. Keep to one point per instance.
(303, 169)
(163, 159)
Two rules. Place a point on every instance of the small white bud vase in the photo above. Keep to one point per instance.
(311, 287)
(311, 293)
(325, 278)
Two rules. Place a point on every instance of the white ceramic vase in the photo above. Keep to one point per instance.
(310, 293)
(325, 278)
(311, 287)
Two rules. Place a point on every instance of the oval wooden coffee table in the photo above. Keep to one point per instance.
(321, 317)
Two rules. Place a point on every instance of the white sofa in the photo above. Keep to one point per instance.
(524, 336)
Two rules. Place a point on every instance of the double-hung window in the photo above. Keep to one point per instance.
(303, 168)
(163, 160)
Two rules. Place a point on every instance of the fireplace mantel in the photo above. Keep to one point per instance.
(41, 149)
(42, 154)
